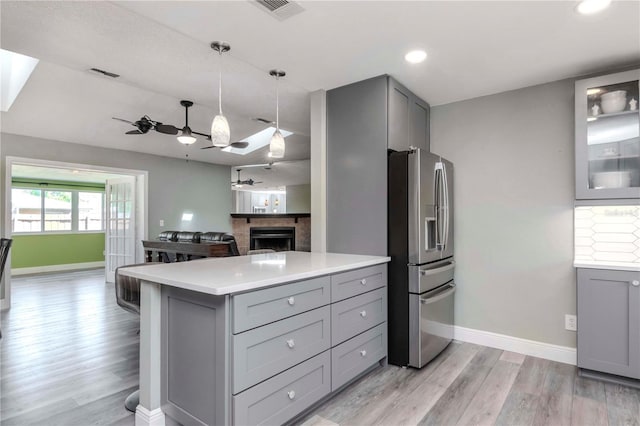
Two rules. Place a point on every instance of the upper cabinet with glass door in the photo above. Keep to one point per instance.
(608, 137)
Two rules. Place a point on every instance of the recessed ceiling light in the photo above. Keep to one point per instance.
(415, 56)
(589, 7)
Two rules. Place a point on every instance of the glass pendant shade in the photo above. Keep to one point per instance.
(186, 138)
(220, 132)
(276, 145)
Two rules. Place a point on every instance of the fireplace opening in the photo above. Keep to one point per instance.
(278, 238)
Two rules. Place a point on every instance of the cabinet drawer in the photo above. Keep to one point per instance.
(355, 315)
(266, 351)
(280, 398)
(356, 355)
(352, 283)
(251, 310)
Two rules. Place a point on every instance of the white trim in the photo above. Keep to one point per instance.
(549, 351)
(55, 268)
(145, 417)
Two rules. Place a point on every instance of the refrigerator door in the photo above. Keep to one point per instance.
(430, 192)
(430, 323)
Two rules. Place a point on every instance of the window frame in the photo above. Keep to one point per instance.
(74, 211)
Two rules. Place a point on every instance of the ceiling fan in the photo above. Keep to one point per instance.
(239, 183)
(146, 123)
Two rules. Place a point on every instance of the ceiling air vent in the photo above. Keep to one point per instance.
(280, 9)
(105, 73)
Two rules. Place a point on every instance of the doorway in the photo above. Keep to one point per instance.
(74, 204)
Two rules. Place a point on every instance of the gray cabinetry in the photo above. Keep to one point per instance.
(281, 398)
(266, 356)
(607, 132)
(408, 125)
(364, 120)
(609, 321)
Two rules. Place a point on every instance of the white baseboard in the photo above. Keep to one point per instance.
(549, 351)
(56, 268)
(145, 417)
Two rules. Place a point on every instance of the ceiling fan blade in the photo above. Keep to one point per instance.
(167, 129)
(239, 144)
(208, 147)
(134, 132)
(122, 119)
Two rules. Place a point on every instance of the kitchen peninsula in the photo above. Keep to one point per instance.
(255, 339)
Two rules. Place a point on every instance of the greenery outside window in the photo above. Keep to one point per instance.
(35, 210)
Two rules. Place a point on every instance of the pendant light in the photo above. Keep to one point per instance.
(220, 132)
(186, 138)
(276, 145)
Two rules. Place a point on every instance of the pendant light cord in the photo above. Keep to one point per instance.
(277, 103)
(220, 85)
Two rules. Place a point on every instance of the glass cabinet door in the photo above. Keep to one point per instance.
(608, 137)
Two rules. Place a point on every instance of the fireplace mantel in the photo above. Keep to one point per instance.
(250, 216)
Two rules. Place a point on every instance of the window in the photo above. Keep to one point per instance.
(90, 211)
(57, 211)
(36, 210)
(26, 210)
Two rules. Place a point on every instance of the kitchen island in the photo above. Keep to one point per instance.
(252, 339)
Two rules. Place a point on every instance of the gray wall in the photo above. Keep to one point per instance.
(174, 185)
(299, 198)
(514, 168)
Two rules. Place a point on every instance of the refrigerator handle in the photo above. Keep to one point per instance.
(451, 288)
(438, 204)
(445, 190)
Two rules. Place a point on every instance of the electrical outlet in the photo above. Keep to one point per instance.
(570, 322)
(161, 222)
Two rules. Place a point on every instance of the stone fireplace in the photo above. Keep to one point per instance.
(300, 239)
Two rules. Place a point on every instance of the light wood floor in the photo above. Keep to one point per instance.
(69, 356)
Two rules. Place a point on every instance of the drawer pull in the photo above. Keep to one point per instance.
(291, 343)
(291, 394)
(363, 353)
(363, 314)
(291, 301)
(363, 281)
(635, 283)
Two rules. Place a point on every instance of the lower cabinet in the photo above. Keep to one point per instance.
(282, 397)
(609, 321)
(266, 356)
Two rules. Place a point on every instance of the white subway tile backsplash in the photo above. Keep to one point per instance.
(605, 234)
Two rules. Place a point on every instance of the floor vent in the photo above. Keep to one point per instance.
(281, 9)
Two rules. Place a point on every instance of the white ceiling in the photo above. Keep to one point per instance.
(161, 50)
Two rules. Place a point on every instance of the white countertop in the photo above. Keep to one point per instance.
(226, 275)
(609, 265)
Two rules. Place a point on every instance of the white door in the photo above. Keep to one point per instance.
(120, 235)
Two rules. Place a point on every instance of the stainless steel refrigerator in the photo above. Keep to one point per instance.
(420, 237)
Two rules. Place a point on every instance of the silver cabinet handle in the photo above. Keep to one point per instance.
(363, 281)
(291, 343)
(363, 314)
(363, 353)
(635, 283)
(291, 394)
(291, 301)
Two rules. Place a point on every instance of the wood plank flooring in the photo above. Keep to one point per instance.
(69, 356)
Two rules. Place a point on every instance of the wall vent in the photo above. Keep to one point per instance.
(280, 9)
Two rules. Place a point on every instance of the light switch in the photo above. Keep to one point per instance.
(161, 222)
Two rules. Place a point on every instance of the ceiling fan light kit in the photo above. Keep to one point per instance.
(186, 138)
(220, 131)
(276, 145)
